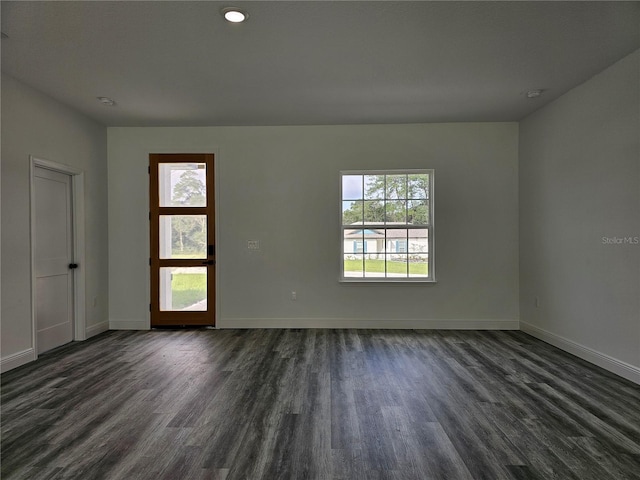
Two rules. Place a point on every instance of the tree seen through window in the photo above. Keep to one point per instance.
(188, 232)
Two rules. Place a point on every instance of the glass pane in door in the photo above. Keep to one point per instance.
(182, 184)
(183, 236)
(183, 289)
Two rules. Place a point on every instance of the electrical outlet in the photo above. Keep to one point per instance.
(294, 296)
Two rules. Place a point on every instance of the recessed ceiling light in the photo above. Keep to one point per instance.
(109, 102)
(234, 15)
(534, 93)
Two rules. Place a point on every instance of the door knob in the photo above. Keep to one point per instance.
(73, 265)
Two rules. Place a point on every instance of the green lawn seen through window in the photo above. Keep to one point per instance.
(187, 289)
(377, 266)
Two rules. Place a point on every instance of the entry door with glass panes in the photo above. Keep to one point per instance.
(183, 251)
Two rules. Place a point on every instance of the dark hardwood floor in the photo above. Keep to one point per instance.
(317, 404)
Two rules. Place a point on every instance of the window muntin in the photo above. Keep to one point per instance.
(387, 225)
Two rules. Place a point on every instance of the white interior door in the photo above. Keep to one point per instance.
(53, 259)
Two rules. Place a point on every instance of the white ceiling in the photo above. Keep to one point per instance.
(178, 63)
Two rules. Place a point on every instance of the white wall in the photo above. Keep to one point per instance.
(580, 182)
(279, 185)
(34, 124)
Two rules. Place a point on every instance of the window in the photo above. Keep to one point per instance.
(387, 225)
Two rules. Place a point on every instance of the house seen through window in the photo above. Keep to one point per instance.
(387, 225)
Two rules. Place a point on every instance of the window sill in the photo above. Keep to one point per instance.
(386, 281)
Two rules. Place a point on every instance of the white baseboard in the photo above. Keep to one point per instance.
(611, 364)
(418, 324)
(96, 329)
(128, 325)
(17, 359)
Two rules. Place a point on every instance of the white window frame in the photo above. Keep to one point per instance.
(429, 227)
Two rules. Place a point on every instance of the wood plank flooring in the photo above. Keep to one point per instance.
(317, 404)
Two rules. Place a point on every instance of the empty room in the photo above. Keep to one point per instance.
(328, 240)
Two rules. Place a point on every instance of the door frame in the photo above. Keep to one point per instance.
(210, 149)
(78, 246)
